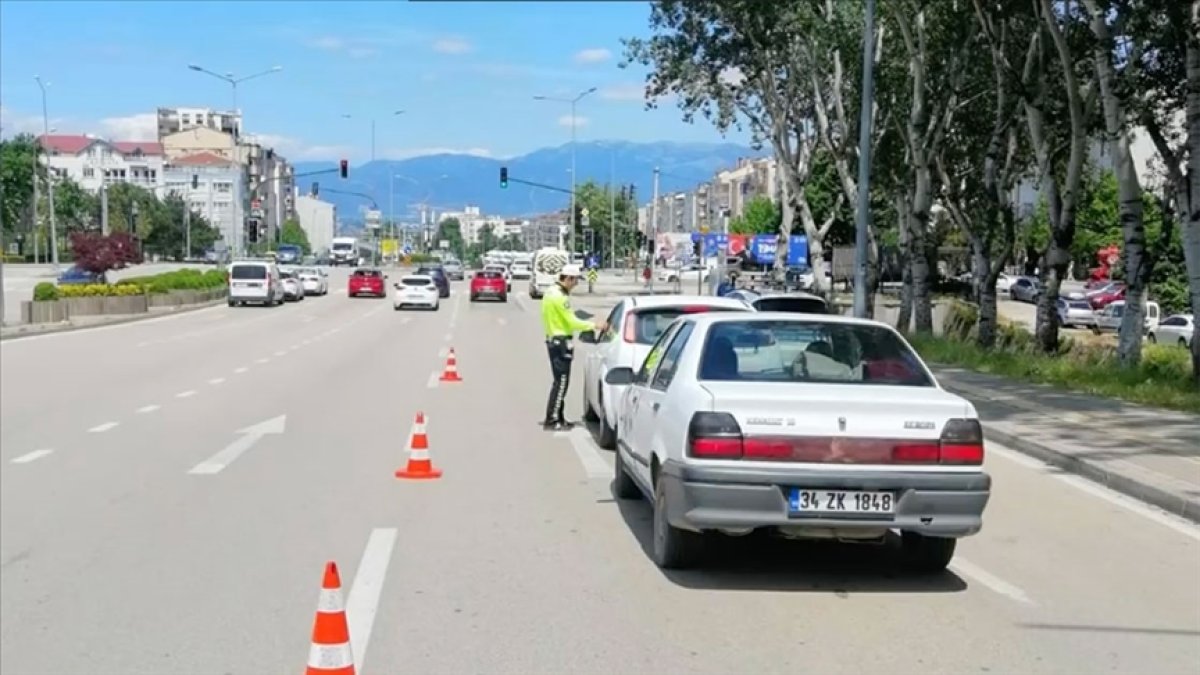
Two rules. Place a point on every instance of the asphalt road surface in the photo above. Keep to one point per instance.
(171, 490)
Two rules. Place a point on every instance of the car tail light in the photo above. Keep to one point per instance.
(431, 287)
(629, 335)
(714, 435)
(962, 442)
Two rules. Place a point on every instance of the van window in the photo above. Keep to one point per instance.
(248, 272)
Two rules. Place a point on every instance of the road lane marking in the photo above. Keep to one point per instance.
(589, 455)
(263, 360)
(148, 408)
(281, 353)
(1168, 520)
(433, 380)
(502, 321)
(443, 352)
(31, 456)
(362, 605)
(186, 394)
(101, 428)
(405, 320)
(216, 380)
(294, 347)
(246, 439)
(966, 568)
(241, 370)
(449, 337)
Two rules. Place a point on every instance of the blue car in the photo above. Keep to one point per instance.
(439, 279)
(74, 276)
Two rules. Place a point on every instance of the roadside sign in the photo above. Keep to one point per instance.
(256, 204)
(584, 212)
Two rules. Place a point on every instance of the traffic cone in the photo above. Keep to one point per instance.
(330, 652)
(450, 374)
(419, 464)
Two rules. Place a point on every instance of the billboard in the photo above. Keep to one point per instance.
(759, 248)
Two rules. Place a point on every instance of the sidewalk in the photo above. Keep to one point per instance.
(20, 330)
(1147, 453)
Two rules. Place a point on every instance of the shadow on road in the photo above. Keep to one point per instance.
(759, 562)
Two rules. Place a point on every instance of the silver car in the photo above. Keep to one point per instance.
(1025, 289)
(454, 270)
(1075, 313)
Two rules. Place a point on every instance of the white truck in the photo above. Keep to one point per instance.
(547, 263)
(343, 251)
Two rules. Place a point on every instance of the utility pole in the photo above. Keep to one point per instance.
(612, 211)
(187, 230)
(37, 234)
(49, 180)
(654, 232)
(862, 218)
(104, 209)
(3, 253)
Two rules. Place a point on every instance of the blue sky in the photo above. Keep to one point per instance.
(464, 72)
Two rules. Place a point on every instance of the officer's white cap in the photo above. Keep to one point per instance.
(571, 270)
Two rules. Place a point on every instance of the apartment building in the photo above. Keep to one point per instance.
(211, 186)
(318, 219)
(93, 162)
(548, 230)
(174, 120)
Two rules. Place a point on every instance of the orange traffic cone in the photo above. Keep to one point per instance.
(419, 464)
(330, 651)
(450, 374)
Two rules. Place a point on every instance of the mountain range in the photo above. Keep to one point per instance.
(449, 182)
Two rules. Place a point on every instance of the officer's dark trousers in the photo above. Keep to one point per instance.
(561, 353)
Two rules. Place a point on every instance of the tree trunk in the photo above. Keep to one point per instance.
(904, 318)
(1189, 204)
(919, 238)
(1054, 270)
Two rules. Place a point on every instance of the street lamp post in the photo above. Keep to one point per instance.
(233, 141)
(49, 178)
(574, 102)
(394, 113)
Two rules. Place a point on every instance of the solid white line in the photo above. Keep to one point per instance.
(31, 456)
(241, 370)
(216, 380)
(966, 568)
(101, 428)
(262, 360)
(433, 380)
(589, 455)
(148, 408)
(186, 394)
(1168, 520)
(362, 604)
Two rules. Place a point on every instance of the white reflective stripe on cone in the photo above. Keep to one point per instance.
(420, 453)
(330, 656)
(330, 601)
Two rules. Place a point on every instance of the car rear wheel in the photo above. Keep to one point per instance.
(924, 554)
(623, 486)
(474, 298)
(504, 298)
(1151, 339)
(608, 434)
(589, 413)
(1183, 343)
(437, 306)
(674, 549)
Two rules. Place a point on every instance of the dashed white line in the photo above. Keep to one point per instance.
(433, 380)
(362, 604)
(281, 353)
(443, 352)
(241, 370)
(502, 321)
(148, 408)
(966, 568)
(264, 360)
(101, 428)
(31, 456)
(449, 337)
(295, 347)
(216, 380)
(186, 394)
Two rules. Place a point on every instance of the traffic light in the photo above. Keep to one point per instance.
(345, 168)
(696, 246)
(633, 193)
(503, 177)
(316, 189)
(252, 231)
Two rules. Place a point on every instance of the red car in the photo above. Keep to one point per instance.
(1103, 297)
(367, 282)
(489, 284)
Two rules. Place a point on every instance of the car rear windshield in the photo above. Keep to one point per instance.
(367, 273)
(416, 281)
(489, 274)
(794, 305)
(248, 272)
(429, 271)
(809, 351)
(1079, 304)
(649, 324)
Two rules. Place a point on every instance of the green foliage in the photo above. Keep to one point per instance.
(449, 230)
(45, 291)
(599, 200)
(16, 180)
(760, 216)
(292, 233)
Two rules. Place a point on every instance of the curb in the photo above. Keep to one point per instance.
(21, 334)
(1156, 496)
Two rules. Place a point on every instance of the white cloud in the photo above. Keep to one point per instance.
(624, 92)
(451, 45)
(13, 123)
(405, 153)
(355, 48)
(139, 127)
(565, 121)
(328, 43)
(593, 55)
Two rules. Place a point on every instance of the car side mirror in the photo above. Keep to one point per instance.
(589, 337)
(619, 376)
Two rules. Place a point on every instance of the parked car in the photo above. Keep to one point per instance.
(1075, 313)
(802, 303)
(314, 280)
(367, 281)
(634, 325)
(438, 275)
(1106, 295)
(489, 284)
(74, 275)
(1108, 320)
(255, 281)
(1179, 329)
(802, 426)
(1025, 289)
(293, 290)
(454, 270)
(416, 290)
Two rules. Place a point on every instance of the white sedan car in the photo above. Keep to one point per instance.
(314, 280)
(1179, 329)
(416, 290)
(823, 427)
(634, 325)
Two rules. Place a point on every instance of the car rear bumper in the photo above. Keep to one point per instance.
(489, 292)
(367, 291)
(936, 504)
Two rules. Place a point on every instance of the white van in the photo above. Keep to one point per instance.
(547, 263)
(255, 281)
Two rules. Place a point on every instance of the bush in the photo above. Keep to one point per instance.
(99, 290)
(1163, 378)
(45, 292)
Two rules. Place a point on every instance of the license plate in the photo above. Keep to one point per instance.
(806, 502)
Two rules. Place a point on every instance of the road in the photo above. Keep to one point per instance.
(115, 557)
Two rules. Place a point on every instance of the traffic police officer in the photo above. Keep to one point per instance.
(560, 325)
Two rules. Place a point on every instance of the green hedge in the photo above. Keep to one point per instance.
(178, 280)
(1163, 378)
